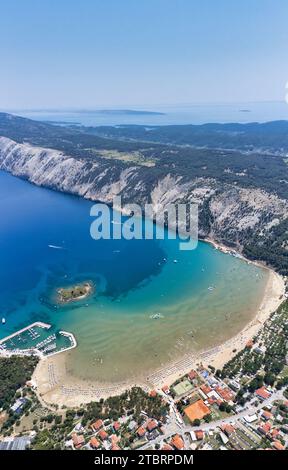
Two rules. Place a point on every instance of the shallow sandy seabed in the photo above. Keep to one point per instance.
(56, 386)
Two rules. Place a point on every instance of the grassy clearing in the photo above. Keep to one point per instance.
(127, 157)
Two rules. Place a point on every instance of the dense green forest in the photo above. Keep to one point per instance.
(253, 169)
(235, 156)
(14, 373)
(273, 249)
(132, 402)
(272, 136)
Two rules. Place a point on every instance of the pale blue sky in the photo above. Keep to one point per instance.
(89, 53)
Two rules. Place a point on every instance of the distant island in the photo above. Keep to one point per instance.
(130, 112)
(62, 123)
(74, 293)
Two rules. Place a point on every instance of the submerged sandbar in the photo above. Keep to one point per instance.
(74, 391)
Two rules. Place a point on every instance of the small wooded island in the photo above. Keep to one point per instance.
(74, 293)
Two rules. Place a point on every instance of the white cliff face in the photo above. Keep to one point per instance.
(231, 209)
(243, 208)
(117, 187)
(167, 191)
(40, 166)
(51, 168)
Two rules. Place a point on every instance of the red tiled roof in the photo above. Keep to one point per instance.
(153, 393)
(152, 424)
(165, 389)
(206, 389)
(94, 442)
(199, 435)
(262, 393)
(141, 431)
(78, 441)
(278, 446)
(115, 447)
(228, 429)
(177, 442)
(166, 447)
(264, 428)
(267, 415)
(102, 434)
(114, 439)
(192, 374)
(225, 393)
(97, 425)
(274, 432)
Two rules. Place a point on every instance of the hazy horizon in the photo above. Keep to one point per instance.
(136, 106)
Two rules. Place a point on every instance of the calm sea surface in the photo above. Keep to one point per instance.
(184, 114)
(133, 279)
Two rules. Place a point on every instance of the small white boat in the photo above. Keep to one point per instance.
(155, 316)
(175, 260)
(3, 321)
(56, 247)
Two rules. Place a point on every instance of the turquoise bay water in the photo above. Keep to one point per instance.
(134, 279)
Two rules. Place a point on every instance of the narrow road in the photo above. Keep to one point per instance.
(174, 427)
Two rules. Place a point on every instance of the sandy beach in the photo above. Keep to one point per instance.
(56, 386)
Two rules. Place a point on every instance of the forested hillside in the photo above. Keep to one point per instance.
(242, 195)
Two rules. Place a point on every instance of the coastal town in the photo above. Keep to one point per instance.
(242, 406)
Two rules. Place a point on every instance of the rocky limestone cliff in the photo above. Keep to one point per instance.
(229, 214)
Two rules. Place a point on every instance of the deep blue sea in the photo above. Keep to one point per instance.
(133, 280)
